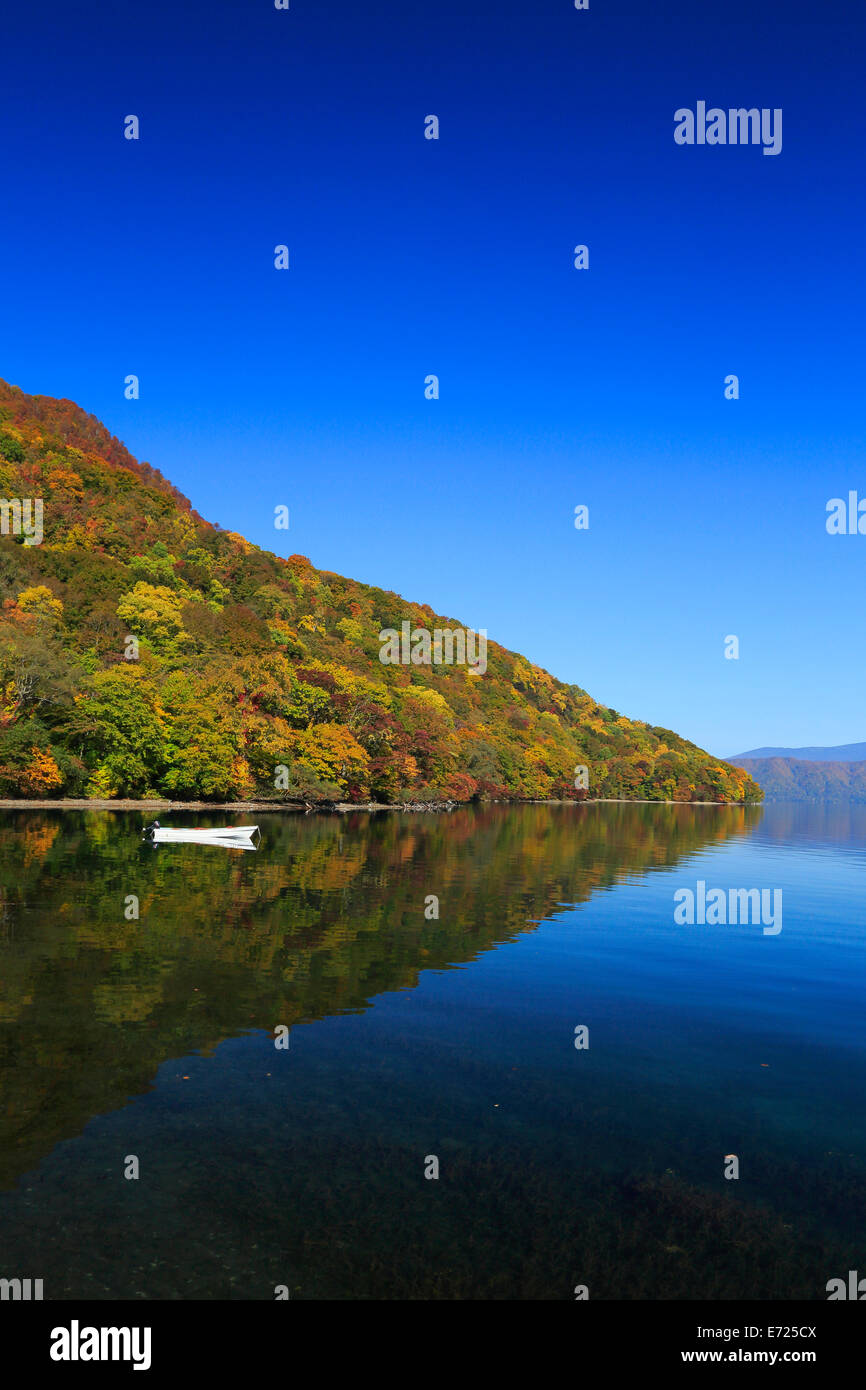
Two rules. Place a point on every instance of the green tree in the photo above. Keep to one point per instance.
(119, 729)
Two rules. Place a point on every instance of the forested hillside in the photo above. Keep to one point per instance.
(244, 663)
(796, 779)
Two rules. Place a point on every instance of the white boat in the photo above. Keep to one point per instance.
(230, 836)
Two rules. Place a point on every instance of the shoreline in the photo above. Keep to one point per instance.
(331, 807)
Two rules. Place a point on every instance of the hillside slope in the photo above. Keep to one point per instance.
(795, 779)
(144, 651)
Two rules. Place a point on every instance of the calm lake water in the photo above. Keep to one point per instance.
(413, 1037)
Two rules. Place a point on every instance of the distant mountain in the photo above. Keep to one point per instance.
(144, 651)
(843, 753)
(795, 779)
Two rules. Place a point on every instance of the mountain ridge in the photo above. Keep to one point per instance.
(146, 652)
(841, 753)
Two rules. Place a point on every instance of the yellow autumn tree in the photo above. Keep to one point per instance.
(332, 753)
(152, 611)
(41, 602)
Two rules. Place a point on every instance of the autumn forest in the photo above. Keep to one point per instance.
(147, 653)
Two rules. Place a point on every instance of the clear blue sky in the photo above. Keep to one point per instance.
(409, 257)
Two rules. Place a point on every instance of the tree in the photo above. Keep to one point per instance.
(153, 612)
(40, 601)
(118, 726)
(42, 775)
(332, 753)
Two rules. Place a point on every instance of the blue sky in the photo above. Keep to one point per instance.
(409, 257)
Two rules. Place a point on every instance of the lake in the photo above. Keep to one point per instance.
(417, 1041)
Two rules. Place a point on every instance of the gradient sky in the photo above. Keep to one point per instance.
(409, 257)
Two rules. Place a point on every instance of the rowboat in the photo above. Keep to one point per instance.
(230, 836)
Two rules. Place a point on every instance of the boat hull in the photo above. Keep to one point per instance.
(232, 836)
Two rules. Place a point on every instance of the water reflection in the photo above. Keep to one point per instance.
(114, 957)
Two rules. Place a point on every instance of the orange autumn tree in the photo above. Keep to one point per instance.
(42, 776)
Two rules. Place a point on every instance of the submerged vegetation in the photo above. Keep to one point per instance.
(144, 651)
